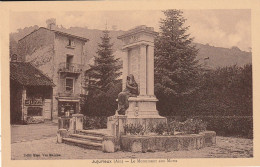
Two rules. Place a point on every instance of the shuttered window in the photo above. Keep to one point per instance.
(69, 84)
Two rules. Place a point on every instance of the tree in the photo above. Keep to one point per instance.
(104, 85)
(176, 67)
(105, 70)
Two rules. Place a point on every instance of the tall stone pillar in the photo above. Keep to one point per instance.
(142, 72)
(125, 67)
(24, 108)
(150, 70)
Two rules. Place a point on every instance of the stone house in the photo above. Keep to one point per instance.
(60, 56)
(30, 94)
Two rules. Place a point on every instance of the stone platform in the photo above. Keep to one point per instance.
(133, 143)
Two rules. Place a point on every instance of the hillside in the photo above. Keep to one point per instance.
(217, 56)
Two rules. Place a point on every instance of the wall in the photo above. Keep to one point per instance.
(46, 49)
(38, 48)
(15, 102)
(61, 52)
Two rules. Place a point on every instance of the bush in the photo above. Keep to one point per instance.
(94, 122)
(231, 126)
(239, 126)
(193, 126)
(134, 129)
(165, 129)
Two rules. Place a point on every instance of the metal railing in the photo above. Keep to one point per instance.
(70, 67)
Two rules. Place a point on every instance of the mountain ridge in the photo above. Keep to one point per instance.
(211, 56)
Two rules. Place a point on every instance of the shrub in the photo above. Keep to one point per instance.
(165, 128)
(94, 122)
(160, 128)
(240, 126)
(193, 126)
(231, 126)
(134, 129)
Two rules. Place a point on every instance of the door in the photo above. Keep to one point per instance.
(47, 109)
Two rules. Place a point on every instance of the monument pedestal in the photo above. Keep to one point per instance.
(142, 109)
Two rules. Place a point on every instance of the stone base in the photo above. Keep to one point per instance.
(142, 109)
(78, 124)
(62, 133)
(146, 122)
(135, 143)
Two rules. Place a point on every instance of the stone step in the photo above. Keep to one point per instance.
(82, 143)
(91, 133)
(87, 138)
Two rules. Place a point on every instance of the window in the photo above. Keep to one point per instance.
(69, 61)
(34, 111)
(71, 43)
(69, 84)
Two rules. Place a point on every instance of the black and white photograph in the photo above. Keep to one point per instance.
(131, 86)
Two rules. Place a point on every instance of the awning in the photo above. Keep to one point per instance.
(68, 99)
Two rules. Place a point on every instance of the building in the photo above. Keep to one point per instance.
(30, 94)
(61, 57)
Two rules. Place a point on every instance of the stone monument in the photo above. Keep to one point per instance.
(138, 60)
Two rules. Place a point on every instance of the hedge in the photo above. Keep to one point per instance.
(239, 126)
(94, 122)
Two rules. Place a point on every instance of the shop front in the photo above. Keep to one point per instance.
(30, 94)
(68, 106)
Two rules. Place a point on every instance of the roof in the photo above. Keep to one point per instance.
(138, 29)
(59, 32)
(26, 74)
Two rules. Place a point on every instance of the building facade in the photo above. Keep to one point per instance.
(61, 57)
(30, 94)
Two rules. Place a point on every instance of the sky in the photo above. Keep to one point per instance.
(220, 28)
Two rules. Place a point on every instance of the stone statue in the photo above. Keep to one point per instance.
(130, 90)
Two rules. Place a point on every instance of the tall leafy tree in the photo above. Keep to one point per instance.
(176, 67)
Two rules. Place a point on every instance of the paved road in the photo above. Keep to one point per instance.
(22, 133)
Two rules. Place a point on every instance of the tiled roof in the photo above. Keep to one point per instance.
(26, 74)
(58, 32)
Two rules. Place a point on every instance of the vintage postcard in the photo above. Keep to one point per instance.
(130, 83)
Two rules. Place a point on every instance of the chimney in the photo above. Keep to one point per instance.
(51, 23)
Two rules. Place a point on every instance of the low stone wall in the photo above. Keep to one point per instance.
(134, 143)
(35, 119)
(210, 138)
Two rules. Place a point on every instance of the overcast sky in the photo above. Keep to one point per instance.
(222, 28)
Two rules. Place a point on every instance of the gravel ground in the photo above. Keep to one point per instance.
(22, 133)
(47, 148)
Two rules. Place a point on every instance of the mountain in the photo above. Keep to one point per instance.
(221, 57)
(211, 56)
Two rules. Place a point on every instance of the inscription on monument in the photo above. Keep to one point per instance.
(131, 39)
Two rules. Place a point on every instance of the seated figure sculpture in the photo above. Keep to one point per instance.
(131, 90)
